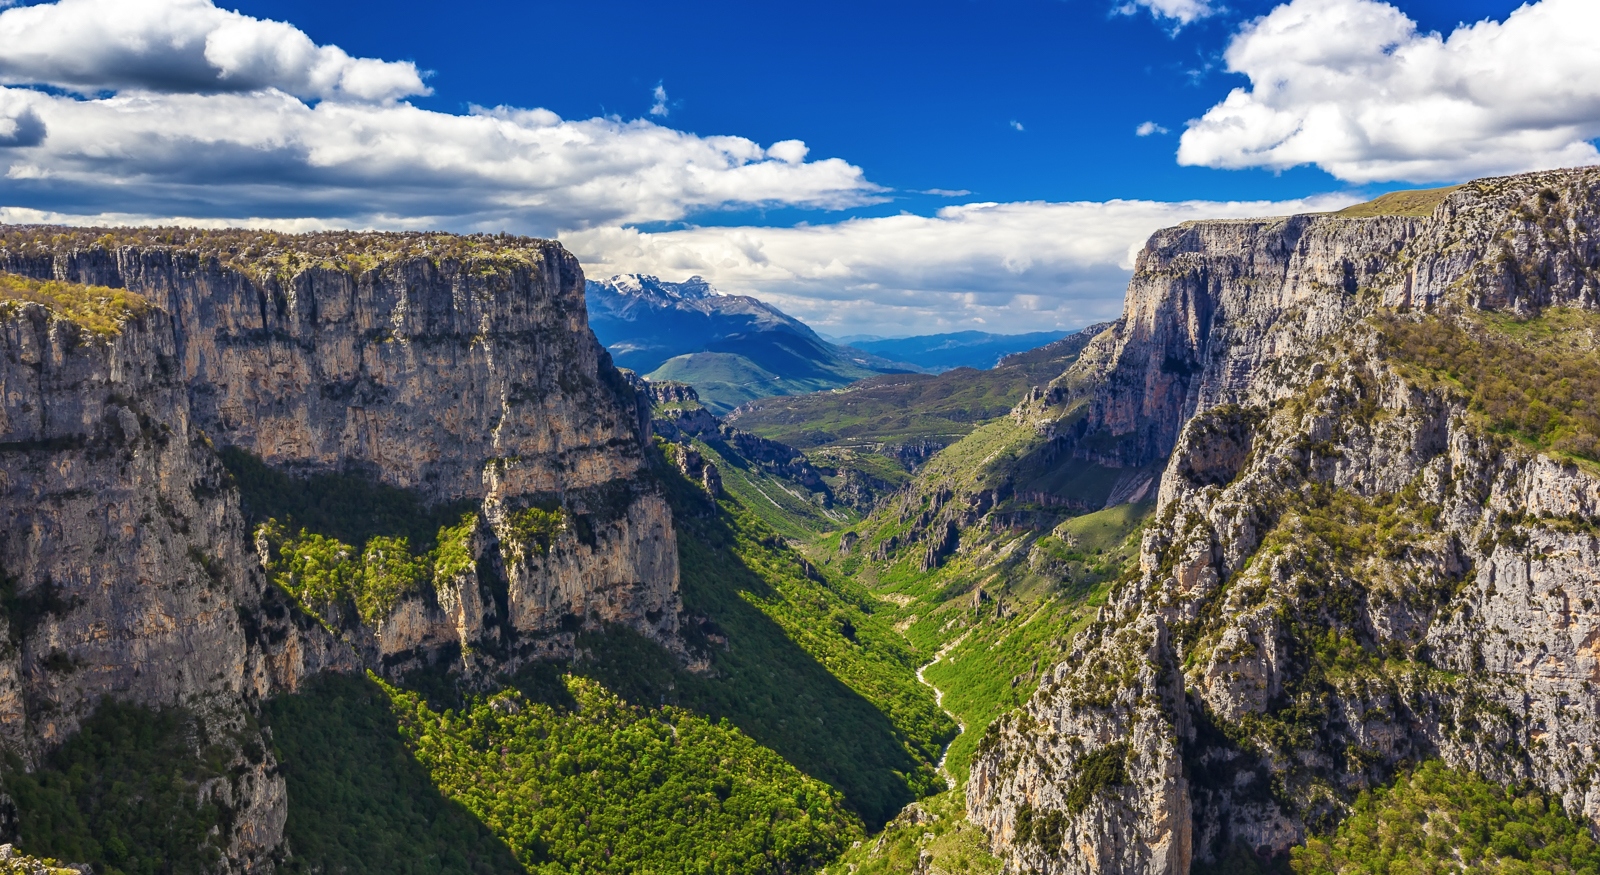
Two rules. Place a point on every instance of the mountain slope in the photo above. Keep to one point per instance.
(238, 463)
(1374, 544)
(732, 348)
(870, 435)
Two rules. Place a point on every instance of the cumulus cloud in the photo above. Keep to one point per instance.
(1180, 11)
(1012, 267)
(1145, 129)
(659, 107)
(1016, 125)
(215, 115)
(184, 46)
(1352, 87)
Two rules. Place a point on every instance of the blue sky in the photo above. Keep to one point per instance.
(875, 167)
(920, 95)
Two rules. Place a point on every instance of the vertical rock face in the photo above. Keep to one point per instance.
(458, 368)
(1346, 571)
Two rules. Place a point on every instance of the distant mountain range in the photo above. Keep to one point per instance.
(731, 348)
(942, 352)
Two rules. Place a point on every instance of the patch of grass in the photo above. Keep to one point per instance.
(1416, 202)
(98, 309)
(1440, 820)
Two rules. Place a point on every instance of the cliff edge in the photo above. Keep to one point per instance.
(1375, 543)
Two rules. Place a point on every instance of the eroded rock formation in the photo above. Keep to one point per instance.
(461, 369)
(1347, 571)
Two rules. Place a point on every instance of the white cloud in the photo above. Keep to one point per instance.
(944, 192)
(184, 46)
(259, 150)
(790, 151)
(1181, 11)
(1014, 267)
(659, 107)
(1145, 129)
(1017, 125)
(1352, 87)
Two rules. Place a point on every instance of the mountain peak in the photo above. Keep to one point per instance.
(648, 287)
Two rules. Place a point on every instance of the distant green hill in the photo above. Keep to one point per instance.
(732, 348)
(731, 371)
(881, 427)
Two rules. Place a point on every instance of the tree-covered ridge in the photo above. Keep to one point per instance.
(98, 309)
(135, 792)
(605, 786)
(1441, 821)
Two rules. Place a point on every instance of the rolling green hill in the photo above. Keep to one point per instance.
(734, 370)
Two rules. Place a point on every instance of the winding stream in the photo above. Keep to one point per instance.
(938, 699)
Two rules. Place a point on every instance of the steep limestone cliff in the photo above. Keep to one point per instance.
(1356, 564)
(458, 369)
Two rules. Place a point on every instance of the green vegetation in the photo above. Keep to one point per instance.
(566, 778)
(311, 526)
(1418, 202)
(732, 372)
(24, 864)
(328, 576)
(534, 528)
(609, 787)
(125, 794)
(359, 802)
(803, 663)
(933, 837)
(271, 253)
(98, 309)
(1534, 379)
(1103, 769)
(786, 506)
(1436, 820)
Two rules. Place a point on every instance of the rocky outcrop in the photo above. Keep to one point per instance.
(1347, 571)
(679, 417)
(458, 369)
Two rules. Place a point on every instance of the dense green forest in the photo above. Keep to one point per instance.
(1436, 820)
(132, 793)
(563, 778)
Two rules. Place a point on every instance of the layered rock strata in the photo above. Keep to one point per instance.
(1347, 572)
(460, 369)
